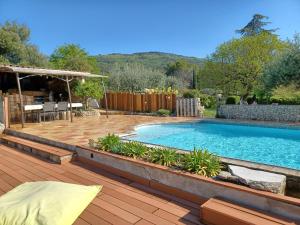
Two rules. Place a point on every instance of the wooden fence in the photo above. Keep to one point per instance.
(140, 102)
(187, 107)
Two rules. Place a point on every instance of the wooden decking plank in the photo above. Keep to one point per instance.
(133, 201)
(135, 210)
(26, 170)
(172, 199)
(80, 221)
(13, 174)
(4, 186)
(97, 211)
(143, 222)
(31, 169)
(158, 204)
(176, 219)
(32, 159)
(92, 219)
(131, 218)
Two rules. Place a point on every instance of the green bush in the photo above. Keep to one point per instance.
(202, 162)
(163, 112)
(190, 94)
(232, 100)
(134, 150)
(165, 157)
(109, 142)
(208, 101)
(286, 95)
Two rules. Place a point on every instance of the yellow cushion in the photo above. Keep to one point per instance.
(45, 203)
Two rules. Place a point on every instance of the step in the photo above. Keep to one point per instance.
(51, 153)
(220, 212)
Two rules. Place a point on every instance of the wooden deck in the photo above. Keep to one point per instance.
(120, 201)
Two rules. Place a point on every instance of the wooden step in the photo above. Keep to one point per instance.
(51, 153)
(219, 212)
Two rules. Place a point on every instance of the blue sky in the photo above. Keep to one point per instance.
(186, 27)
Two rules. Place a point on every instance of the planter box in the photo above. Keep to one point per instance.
(190, 186)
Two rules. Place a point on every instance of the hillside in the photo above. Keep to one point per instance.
(155, 60)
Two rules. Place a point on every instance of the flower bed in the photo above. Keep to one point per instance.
(198, 161)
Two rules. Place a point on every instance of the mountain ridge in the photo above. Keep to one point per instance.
(152, 59)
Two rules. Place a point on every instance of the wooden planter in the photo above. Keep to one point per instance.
(189, 186)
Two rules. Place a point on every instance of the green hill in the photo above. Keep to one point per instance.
(155, 60)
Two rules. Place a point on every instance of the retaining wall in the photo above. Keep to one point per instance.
(289, 113)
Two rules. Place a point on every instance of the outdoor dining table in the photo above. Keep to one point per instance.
(39, 107)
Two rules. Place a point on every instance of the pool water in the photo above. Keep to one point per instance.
(268, 145)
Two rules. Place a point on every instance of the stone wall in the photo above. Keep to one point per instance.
(288, 113)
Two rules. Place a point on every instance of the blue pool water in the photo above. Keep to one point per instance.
(269, 145)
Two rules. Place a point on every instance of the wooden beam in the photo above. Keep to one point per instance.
(21, 100)
(70, 99)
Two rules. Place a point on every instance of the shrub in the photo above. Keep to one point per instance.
(89, 89)
(286, 95)
(163, 112)
(208, 101)
(109, 142)
(190, 94)
(232, 100)
(134, 150)
(202, 162)
(165, 157)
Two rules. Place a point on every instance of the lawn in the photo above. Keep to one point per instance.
(210, 113)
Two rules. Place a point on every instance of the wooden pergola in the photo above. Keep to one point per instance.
(64, 75)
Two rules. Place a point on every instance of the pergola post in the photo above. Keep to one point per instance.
(21, 100)
(70, 99)
(105, 97)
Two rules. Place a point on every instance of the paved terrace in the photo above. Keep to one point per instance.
(120, 202)
(82, 129)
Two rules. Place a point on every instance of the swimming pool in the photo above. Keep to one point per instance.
(278, 146)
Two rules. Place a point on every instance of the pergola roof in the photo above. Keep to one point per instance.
(46, 72)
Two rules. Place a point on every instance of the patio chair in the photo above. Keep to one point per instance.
(48, 110)
(62, 107)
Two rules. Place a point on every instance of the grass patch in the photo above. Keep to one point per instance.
(210, 113)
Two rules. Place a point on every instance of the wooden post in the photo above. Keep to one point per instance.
(6, 112)
(70, 98)
(21, 100)
(105, 96)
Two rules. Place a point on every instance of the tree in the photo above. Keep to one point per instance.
(285, 69)
(72, 57)
(134, 77)
(174, 83)
(91, 88)
(183, 71)
(239, 63)
(256, 26)
(15, 47)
